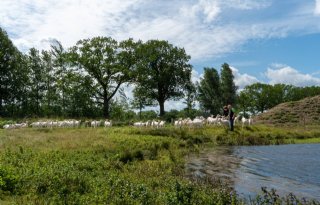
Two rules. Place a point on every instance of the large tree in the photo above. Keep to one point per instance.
(209, 93)
(163, 71)
(37, 84)
(107, 62)
(9, 70)
(228, 87)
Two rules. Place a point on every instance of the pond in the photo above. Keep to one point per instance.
(286, 168)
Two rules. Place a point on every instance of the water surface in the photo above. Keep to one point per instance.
(286, 168)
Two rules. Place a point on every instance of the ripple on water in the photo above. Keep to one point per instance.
(286, 168)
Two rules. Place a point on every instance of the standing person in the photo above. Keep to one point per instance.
(231, 117)
(225, 111)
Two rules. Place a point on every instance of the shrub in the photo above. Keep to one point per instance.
(8, 180)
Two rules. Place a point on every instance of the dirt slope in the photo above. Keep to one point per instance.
(305, 111)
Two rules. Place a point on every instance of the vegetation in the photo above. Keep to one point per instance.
(82, 81)
(302, 112)
(85, 81)
(209, 93)
(125, 165)
(108, 64)
(120, 165)
(259, 97)
(227, 85)
(214, 91)
(163, 72)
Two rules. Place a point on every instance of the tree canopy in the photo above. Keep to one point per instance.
(209, 93)
(107, 62)
(227, 85)
(163, 71)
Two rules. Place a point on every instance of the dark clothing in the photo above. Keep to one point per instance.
(225, 112)
(231, 122)
(231, 119)
(231, 114)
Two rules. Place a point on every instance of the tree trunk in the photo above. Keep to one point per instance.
(161, 103)
(1, 106)
(140, 111)
(105, 105)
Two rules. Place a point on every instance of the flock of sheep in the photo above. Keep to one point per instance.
(59, 124)
(218, 120)
(150, 123)
(196, 122)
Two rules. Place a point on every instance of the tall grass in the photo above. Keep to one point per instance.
(114, 166)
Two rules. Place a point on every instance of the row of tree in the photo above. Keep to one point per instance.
(82, 81)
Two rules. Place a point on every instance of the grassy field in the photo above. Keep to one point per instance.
(123, 165)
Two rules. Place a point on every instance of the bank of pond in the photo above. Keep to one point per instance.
(127, 165)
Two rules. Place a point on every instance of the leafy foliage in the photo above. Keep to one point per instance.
(119, 165)
(108, 63)
(228, 87)
(209, 91)
(162, 72)
(260, 97)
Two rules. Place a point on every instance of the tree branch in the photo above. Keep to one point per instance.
(114, 92)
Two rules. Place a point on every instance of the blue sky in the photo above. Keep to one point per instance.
(270, 41)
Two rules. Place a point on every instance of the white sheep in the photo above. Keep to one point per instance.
(198, 122)
(95, 123)
(162, 123)
(107, 123)
(246, 121)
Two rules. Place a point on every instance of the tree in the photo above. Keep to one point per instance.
(140, 101)
(259, 95)
(107, 62)
(37, 81)
(163, 71)
(209, 93)
(50, 82)
(244, 103)
(190, 97)
(228, 88)
(10, 61)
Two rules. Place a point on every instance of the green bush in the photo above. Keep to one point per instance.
(8, 180)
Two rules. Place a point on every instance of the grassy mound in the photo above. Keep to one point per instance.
(302, 112)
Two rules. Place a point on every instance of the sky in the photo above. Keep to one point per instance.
(269, 41)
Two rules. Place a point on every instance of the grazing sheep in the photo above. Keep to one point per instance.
(213, 121)
(162, 123)
(107, 123)
(138, 124)
(224, 122)
(178, 123)
(95, 124)
(246, 121)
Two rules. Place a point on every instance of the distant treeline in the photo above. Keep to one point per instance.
(88, 81)
(259, 97)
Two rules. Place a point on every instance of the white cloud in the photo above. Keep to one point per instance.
(68, 21)
(200, 26)
(195, 76)
(279, 73)
(248, 4)
(242, 80)
(317, 7)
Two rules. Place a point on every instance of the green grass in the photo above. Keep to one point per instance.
(120, 165)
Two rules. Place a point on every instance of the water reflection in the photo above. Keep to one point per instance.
(287, 168)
